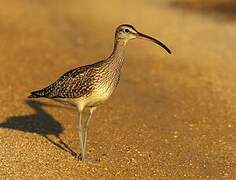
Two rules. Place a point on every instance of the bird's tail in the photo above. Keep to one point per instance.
(35, 94)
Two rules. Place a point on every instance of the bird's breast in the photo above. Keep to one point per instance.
(107, 86)
(103, 89)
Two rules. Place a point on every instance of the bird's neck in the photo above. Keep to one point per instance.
(117, 56)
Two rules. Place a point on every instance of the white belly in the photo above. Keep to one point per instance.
(97, 97)
(101, 92)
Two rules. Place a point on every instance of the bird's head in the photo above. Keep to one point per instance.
(126, 32)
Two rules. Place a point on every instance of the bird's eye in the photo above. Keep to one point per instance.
(127, 30)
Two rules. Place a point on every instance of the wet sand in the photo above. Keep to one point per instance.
(172, 116)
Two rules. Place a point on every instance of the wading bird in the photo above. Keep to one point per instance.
(90, 85)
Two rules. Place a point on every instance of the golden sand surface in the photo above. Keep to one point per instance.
(172, 116)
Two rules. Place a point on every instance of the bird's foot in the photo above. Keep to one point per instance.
(87, 159)
(78, 156)
(74, 154)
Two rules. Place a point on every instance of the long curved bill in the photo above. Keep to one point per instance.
(146, 37)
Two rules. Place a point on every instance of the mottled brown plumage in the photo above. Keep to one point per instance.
(90, 85)
(75, 83)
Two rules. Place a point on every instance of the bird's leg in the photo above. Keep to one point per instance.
(86, 126)
(83, 124)
(80, 129)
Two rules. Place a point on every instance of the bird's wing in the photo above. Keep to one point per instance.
(74, 83)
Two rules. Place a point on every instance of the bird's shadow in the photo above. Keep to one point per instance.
(41, 122)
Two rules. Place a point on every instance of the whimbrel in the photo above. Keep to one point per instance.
(90, 85)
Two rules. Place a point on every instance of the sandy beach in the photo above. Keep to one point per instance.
(171, 117)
